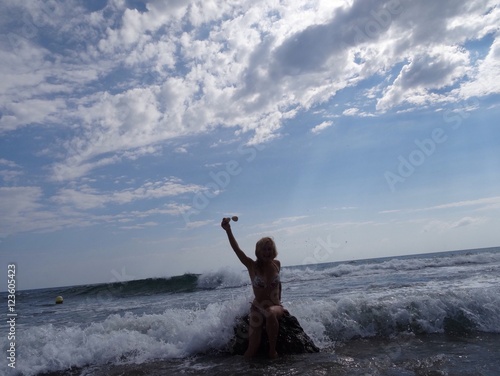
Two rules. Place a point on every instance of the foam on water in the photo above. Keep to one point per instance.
(128, 338)
(224, 278)
(341, 302)
(397, 297)
(395, 264)
(177, 333)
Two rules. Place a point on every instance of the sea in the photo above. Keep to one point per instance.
(429, 314)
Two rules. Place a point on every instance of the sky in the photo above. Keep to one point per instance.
(343, 129)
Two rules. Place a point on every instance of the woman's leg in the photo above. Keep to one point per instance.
(272, 327)
(256, 320)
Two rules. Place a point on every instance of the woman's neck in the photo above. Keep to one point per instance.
(264, 262)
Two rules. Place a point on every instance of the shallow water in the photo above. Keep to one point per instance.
(422, 315)
(434, 354)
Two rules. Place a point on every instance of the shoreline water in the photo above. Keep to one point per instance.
(299, 266)
(432, 354)
(434, 313)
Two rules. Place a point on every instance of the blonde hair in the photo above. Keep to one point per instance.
(259, 247)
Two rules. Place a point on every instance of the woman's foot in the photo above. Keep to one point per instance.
(273, 355)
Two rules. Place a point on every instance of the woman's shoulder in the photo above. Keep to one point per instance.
(277, 263)
(252, 266)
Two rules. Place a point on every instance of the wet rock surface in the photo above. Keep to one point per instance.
(291, 338)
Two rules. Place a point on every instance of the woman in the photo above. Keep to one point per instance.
(265, 277)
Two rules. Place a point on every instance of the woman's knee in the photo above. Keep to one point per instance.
(256, 320)
(274, 312)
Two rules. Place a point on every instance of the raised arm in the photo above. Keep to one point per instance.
(245, 260)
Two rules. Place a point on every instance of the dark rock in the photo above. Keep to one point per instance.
(458, 325)
(291, 338)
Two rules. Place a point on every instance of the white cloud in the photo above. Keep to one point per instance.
(443, 226)
(140, 226)
(30, 111)
(7, 163)
(480, 204)
(485, 76)
(485, 203)
(346, 208)
(16, 200)
(321, 127)
(435, 69)
(351, 112)
(122, 79)
(195, 224)
(466, 221)
(389, 211)
(285, 220)
(167, 209)
(86, 197)
(10, 175)
(22, 211)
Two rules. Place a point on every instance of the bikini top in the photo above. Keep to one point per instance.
(260, 283)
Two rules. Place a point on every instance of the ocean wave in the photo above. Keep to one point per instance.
(150, 286)
(178, 333)
(198, 311)
(458, 312)
(224, 278)
(401, 264)
(127, 339)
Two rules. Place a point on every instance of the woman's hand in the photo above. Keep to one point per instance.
(225, 224)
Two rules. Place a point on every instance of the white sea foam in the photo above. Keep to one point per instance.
(222, 278)
(332, 303)
(132, 338)
(128, 338)
(396, 264)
